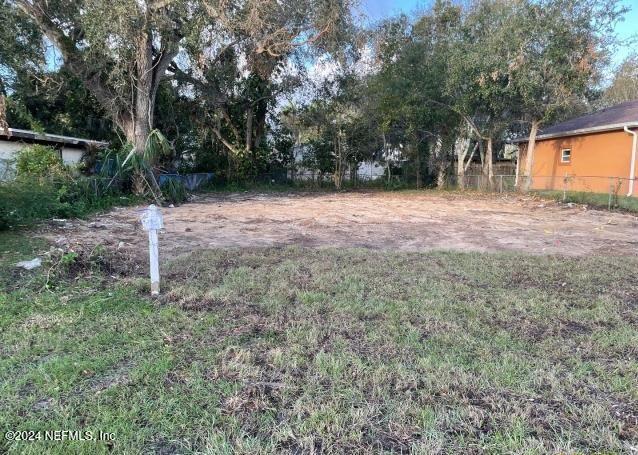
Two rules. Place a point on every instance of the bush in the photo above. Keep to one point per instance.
(39, 161)
(45, 187)
(174, 191)
(26, 200)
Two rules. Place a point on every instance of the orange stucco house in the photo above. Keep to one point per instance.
(595, 152)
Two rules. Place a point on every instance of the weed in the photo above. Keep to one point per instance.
(596, 200)
(339, 351)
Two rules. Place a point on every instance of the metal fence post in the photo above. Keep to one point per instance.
(611, 189)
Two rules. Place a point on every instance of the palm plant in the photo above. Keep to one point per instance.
(140, 168)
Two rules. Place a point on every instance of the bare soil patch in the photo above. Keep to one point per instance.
(401, 221)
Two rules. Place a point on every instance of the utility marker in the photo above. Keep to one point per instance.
(152, 222)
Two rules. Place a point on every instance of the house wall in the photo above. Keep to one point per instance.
(370, 170)
(71, 155)
(9, 150)
(598, 161)
(367, 170)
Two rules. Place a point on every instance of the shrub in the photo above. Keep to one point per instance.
(174, 191)
(24, 201)
(39, 161)
(45, 188)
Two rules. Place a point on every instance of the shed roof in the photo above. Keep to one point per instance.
(34, 136)
(608, 119)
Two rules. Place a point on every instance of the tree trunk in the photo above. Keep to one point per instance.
(517, 171)
(461, 149)
(439, 162)
(441, 177)
(249, 129)
(386, 156)
(142, 124)
(4, 126)
(261, 112)
(488, 170)
(484, 181)
(136, 129)
(417, 165)
(138, 122)
(249, 143)
(529, 162)
(338, 174)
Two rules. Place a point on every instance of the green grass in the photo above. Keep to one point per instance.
(336, 351)
(27, 201)
(596, 200)
(267, 187)
(308, 186)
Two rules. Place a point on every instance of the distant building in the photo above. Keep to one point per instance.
(367, 170)
(370, 170)
(595, 152)
(71, 149)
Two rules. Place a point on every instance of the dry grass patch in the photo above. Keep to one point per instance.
(337, 351)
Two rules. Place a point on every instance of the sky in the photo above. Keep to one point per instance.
(375, 10)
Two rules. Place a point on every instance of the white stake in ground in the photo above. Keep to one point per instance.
(152, 222)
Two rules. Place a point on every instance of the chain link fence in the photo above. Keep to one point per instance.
(600, 191)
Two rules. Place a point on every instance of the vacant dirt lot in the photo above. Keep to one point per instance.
(408, 221)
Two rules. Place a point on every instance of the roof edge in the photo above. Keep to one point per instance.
(591, 130)
(45, 137)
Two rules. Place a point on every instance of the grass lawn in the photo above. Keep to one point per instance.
(299, 350)
(596, 200)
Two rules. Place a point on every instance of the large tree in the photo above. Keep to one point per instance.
(624, 85)
(56, 102)
(119, 49)
(22, 54)
(408, 86)
(238, 75)
(561, 48)
(478, 81)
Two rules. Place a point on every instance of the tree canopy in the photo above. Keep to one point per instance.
(624, 85)
(246, 87)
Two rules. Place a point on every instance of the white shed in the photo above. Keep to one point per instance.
(71, 149)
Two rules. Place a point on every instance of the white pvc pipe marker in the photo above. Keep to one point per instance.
(152, 222)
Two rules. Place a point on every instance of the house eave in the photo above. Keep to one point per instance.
(34, 136)
(579, 132)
